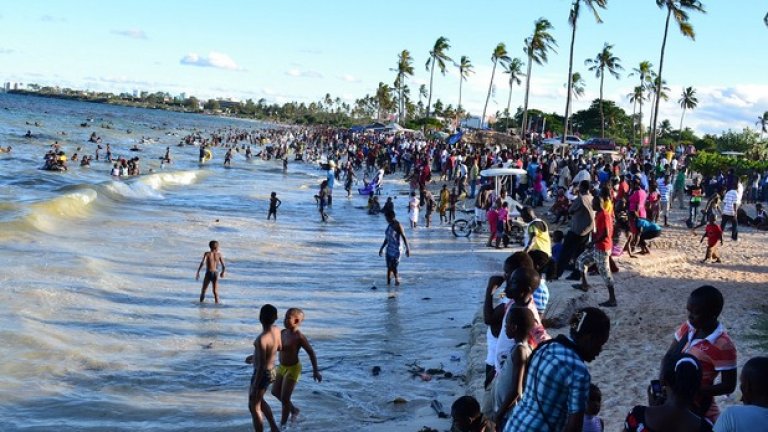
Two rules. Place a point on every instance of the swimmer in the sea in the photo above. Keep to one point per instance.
(211, 259)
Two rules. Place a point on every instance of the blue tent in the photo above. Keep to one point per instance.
(455, 138)
(357, 129)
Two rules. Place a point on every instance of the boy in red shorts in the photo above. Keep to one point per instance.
(713, 233)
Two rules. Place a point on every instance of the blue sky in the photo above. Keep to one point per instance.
(300, 50)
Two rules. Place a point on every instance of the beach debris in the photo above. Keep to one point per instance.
(208, 346)
(376, 370)
(438, 407)
(455, 358)
(399, 401)
(425, 377)
(439, 371)
(466, 326)
(426, 298)
(460, 344)
(374, 287)
(428, 429)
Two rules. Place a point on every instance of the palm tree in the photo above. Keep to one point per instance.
(602, 61)
(515, 70)
(577, 86)
(499, 56)
(383, 99)
(645, 72)
(404, 69)
(687, 101)
(679, 9)
(422, 92)
(465, 69)
(537, 47)
(762, 121)
(637, 96)
(437, 56)
(573, 19)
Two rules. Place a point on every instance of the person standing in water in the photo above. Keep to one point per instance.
(211, 260)
(392, 236)
(289, 369)
(265, 349)
(274, 204)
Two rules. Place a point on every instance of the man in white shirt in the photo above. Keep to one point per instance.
(730, 209)
(753, 415)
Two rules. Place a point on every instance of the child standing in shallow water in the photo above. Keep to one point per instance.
(211, 260)
(265, 349)
(289, 370)
(274, 204)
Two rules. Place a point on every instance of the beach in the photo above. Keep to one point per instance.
(103, 330)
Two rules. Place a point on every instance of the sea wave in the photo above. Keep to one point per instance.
(47, 215)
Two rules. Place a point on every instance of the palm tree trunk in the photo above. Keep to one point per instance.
(570, 71)
(652, 121)
(490, 86)
(431, 77)
(461, 81)
(524, 124)
(602, 115)
(680, 137)
(509, 103)
(661, 81)
(634, 121)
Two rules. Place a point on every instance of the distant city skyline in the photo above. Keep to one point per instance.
(301, 50)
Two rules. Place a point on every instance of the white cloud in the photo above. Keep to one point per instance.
(298, 73)
(214, 59)
(349, 78)
(6, 51)
(133, 33)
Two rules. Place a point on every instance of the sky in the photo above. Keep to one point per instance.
(294, 50)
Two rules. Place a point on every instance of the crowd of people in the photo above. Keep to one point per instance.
(604, 206)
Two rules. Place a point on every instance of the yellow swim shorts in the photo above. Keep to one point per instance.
(292, 372)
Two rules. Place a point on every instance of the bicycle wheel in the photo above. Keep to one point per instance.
(461, 228)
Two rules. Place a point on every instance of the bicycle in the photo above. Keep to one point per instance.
(464, 227)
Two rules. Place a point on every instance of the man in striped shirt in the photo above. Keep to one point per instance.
(730, 208)
(665, 192)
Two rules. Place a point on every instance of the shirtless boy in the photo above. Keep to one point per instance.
(289, 370)
(265, 349)
(211, 260)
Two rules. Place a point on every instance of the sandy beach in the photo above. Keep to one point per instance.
(652, 292)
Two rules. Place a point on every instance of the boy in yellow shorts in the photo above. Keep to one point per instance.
(289, 370)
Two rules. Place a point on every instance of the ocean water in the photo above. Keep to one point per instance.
(99, 319)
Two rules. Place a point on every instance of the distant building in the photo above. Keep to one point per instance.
(6, 86)
(472, 123)
(135, 93)
(183, 96)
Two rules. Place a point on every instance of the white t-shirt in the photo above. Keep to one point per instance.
(730, 201)
(739, 418)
